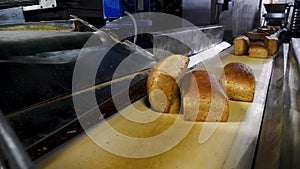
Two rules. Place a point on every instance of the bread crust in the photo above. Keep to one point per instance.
(258, 50)
(163, 80)
(203, 98)
(241, 45)
(239, 82)
(272, 43)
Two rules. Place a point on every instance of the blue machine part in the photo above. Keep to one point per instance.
(112, 8)
(115, 8)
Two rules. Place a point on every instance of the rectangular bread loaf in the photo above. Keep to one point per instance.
(241, 45)
(258, 50)
(204, 99)
(272, 43)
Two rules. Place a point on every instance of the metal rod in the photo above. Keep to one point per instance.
(98, 31)
(85, 23)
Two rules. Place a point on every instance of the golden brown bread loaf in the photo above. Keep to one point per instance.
(204, 98)
(175, 107)
(239, 82)
(272, 43)
(240, 45)
(258, 50)
(162, 82)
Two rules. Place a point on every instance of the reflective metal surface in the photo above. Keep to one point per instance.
(241, 16)
(198, 12)
(290, 144)
(11, 15)
(186, 41)
(43, 4)
(267, 155)
(279, 143)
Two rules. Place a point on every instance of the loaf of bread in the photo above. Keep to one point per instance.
(272, 43)
(258, 50)
(163, 80)
(204, 99)
(175, 107)
(241, 45)
(239, 82)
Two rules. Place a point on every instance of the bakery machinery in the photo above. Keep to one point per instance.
(295, 20)
(73, 99)
(49, 10)
(277, 14)
(44, 150)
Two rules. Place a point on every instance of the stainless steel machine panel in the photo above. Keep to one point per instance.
(198, 12)
(290, 136)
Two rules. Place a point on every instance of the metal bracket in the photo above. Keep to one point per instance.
(43, 4)
(12, 16)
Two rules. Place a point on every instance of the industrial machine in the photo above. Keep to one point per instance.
(39, 120)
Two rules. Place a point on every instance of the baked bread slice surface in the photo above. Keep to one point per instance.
(241, 45)
(204, 98)
(239, 82)
(163, 82)
(258, 50)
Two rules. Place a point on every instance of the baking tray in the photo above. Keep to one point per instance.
(225, 145)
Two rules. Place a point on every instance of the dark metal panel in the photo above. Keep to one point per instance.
(80, 4)
(22, 43)
(43, 127)
(14, 3)
(279, 145)
(11, 15)
(198, 12)
(30, 81)
(11, 147)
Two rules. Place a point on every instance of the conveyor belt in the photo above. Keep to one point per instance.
(232, 145)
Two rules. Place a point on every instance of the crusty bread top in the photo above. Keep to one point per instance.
(258, 45)
(239, 73)
(163, 81)
(173, 65)
(271, 38)
(200, 83)
(241, 45)
(242, 38)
